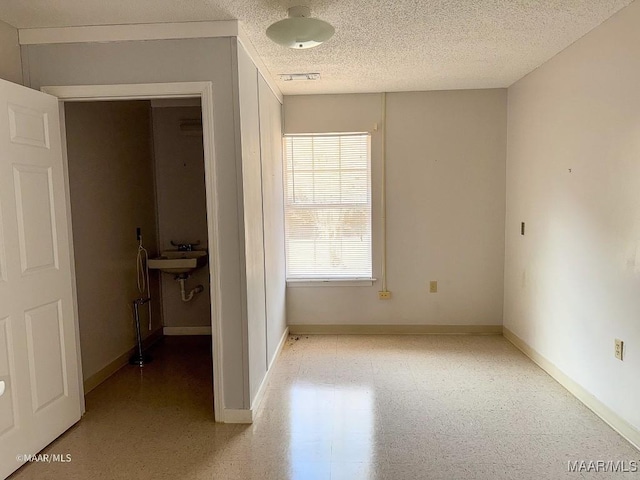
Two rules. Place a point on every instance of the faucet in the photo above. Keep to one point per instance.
(185, 247)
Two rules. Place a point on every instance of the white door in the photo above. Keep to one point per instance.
(38, 356)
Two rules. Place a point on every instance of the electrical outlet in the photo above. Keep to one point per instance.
(385, 295)
(619, 351)
(433, 286)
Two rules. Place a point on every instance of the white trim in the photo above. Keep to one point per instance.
(330, 282)
(175, 331)
(235, 85)
(317, 329)
(232, 415)
(204, 90)
(175, 102)
(82, 391)
(257, 400)
(279, 348)
(248, 415)
(214, 242)
(268, 77)
(328, 134)
(137, 91)
(122, 33)
(624, 428)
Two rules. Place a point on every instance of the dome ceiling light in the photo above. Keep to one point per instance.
(300, 30)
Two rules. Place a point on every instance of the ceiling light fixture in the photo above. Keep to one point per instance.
(299, 30)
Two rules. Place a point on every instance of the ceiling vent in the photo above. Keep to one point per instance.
(290, 77)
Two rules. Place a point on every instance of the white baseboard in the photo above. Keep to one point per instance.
(248, 415)
(101, 375)
(232, 415)
(172, 331)
(255, 404)
(301, 329)
(624, 428)
(279, 348)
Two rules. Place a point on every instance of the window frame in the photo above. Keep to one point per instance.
(329, 280)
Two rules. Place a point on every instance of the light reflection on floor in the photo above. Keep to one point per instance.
(318, 423)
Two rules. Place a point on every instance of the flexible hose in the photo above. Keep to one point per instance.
(142, 273)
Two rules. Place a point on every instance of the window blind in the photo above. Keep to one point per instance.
(328, 206)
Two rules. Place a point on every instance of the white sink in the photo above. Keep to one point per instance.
(177, 262)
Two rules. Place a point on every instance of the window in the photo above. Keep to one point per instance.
(328, 206)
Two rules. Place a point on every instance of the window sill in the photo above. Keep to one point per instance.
(330, 282)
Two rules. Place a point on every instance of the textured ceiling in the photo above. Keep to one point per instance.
(397, 45)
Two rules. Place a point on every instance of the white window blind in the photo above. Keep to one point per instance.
(328, 206)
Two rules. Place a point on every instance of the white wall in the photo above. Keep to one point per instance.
(182, 210)
(112, 193)
(445, 207)
(259, 115)
(256, 316)
(10, 61)
(573, 175)
(173, 61)
(273, 209)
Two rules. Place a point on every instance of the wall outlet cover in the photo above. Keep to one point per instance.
(384, 295)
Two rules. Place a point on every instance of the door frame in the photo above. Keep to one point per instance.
(149, 91)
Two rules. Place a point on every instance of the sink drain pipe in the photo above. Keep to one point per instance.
(183, 292)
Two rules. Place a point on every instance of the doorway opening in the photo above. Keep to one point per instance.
(140, 170)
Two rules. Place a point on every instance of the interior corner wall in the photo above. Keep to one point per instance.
(182, 210)
(273, 209)
(112, 193)
(445, 207)
(259, 115)
(10, 59)
(573, 169)
(185, 60)
(256, 317)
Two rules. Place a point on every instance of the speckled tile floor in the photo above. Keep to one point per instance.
(341, 407)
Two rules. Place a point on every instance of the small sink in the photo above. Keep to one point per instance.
(177, 262)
